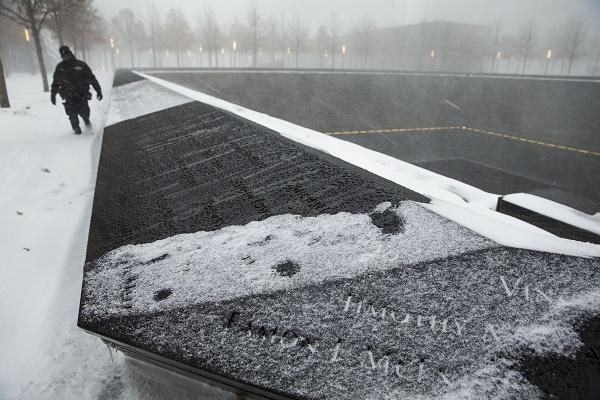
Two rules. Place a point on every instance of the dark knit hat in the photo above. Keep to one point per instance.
(65, 51)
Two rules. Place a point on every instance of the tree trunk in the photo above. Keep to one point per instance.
(4, 103)
(40, 56)
(524, 64)
(59, 31)
(297, 58)
(131, 57)
(154, 55)
(570, 66)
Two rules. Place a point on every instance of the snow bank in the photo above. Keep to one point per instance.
(464, 204)
(46, 189)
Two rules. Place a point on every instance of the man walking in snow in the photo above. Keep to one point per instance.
(72, 80)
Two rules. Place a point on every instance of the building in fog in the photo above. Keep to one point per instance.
(435, 46)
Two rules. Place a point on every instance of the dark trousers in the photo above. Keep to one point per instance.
(75, 108)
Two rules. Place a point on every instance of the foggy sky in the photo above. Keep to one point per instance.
(513, 13)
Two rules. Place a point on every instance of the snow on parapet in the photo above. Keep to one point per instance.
(281, 252)
(135, 99)
(559, 212)
(464, 204)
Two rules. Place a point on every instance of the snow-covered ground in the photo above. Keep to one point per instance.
(47, 178)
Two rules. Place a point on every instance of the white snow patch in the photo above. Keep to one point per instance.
(139, 98)
(464, 204)
(239, 261)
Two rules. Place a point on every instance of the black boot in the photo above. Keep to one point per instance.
(87, 121)
(74, 119)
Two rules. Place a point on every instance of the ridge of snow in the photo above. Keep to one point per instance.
(560, 212)
(462, 203)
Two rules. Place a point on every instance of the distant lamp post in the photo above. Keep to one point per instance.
(233, 55)
(199, 56)
(548, 58)
(27, 38)
(496, 61)
(343, 56)
(223, 56)
(112, 53)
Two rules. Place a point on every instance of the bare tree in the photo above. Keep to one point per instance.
(573, 38)
(255, 31)
(177, 33)
(299, 36)
(4, 102)
(128, 29)
(496, 45)
(154, 27)
(236, 34)
(595, 56)
(323, 44)
(273, 38)
(333, 32)
(85, 26)
(527, 40)
(59, 18)
(32, 14)
(364, 40)
(210, 34)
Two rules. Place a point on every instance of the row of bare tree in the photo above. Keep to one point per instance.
(176, 34)
(78, 24)
(75, 21)
(570, 42)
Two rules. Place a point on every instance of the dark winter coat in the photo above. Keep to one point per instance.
(72, 80)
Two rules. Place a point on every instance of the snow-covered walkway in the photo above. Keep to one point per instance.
(46, 188)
